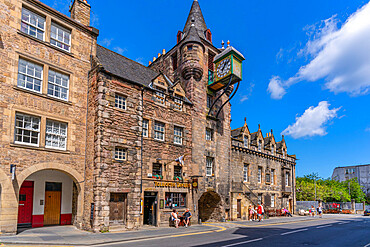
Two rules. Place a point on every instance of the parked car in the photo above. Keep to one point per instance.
(367, 212)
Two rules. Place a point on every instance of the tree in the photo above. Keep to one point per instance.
(328, 190)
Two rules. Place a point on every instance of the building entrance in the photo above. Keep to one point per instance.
(117, 208)
(53, 194)
(150, 208)
(239, 208)
(25, 204)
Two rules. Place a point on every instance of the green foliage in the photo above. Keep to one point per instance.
(328, 190)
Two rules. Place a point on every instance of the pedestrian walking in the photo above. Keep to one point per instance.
(259, 212)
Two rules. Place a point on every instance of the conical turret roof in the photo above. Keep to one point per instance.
(196, 17)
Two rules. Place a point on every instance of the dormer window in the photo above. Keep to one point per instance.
(283, 153)
(178, 102)
(160, 95)
(260, 146)
(272, 149)
(245, 141)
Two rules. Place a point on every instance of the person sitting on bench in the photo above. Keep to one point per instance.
(187, 215)
(174, 218)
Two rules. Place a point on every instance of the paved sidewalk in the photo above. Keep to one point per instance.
(70, 236)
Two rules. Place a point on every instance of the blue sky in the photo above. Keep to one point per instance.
(306, 74)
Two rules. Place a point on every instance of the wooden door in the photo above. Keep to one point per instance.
(25, 205)
(117, 208)
(52, 207)
(239, 208)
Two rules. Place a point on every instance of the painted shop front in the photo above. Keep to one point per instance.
(160, 197)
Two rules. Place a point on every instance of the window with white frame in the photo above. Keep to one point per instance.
(145, 127)
(27, 129)
(259, 174)
(209, 134)
(32, 24)
(283, 153)
(56, 135)
(209, 166)
(272, 149)
(260, 146)
(120, 153)
(160, 95)
(245, 173)
(177, 133)
(120, 102)
(178, 102)
(273, 200)
(246, 141)
(272, 176)
(159, 131)
(29, 75)
(58, 85)
(287, 179)
(60, 37)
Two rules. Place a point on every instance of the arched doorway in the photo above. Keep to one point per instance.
(210, 207)
(48, 197)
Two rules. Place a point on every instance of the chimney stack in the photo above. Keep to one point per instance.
(80, 12)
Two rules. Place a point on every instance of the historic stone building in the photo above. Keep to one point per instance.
(45, 59)
(92, 138)
(262, 172)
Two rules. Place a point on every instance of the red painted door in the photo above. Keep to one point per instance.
(25, 203)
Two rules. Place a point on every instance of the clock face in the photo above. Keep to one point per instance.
(223, 68)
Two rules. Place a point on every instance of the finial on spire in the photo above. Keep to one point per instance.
(223, 44)
(228, 43)
(245, 120)
(259, 126)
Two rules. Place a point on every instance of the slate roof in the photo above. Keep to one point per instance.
(196, 17)
(227, 50)
(125, 67)
(191, 36)
(236, 132)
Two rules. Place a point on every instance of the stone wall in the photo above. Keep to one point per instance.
(13, 99)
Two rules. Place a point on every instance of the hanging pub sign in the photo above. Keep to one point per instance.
(195, 183)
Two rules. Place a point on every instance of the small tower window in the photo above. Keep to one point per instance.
(174, 61)
(211, 56)
(190, 47)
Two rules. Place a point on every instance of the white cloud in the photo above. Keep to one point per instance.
(339, 56)
(248, 94)
(119, 50)
(106, 42)
(312, 122)
(276, 88)
(140, 60)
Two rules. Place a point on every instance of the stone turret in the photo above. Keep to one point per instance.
(192, 53)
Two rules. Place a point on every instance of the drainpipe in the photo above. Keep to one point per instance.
(142, 140)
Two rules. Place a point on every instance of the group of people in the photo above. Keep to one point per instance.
(256, 212)
(185, 218)
(314, 211)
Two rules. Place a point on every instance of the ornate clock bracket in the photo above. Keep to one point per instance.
(225, 90)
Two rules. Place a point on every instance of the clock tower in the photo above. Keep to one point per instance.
(203, 69)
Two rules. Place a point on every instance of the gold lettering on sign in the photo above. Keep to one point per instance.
(171, 184)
